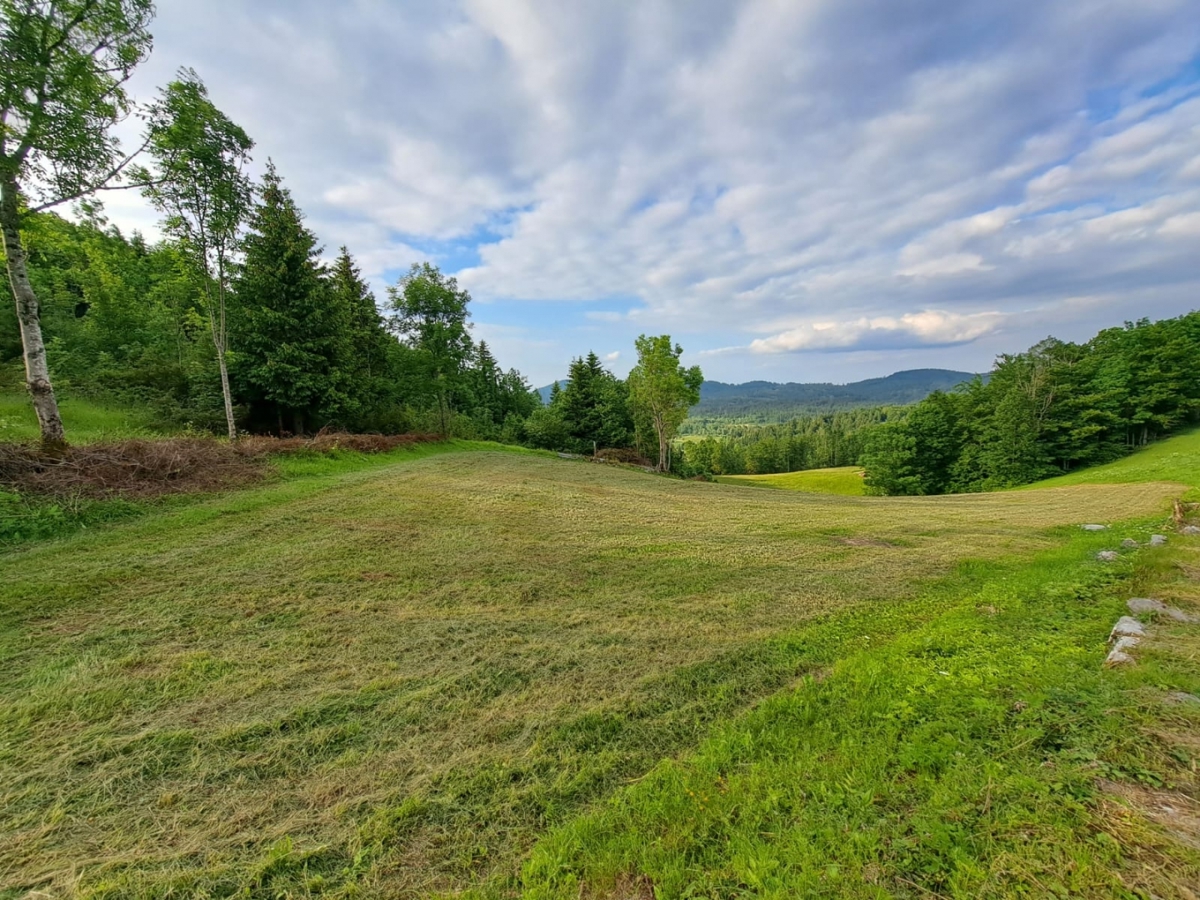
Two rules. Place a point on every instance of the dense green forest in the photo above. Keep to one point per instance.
(308, 346)
(1054, 408)
(770, 403)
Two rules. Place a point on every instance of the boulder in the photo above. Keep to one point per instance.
(1127, 626)
(1129, 544)
(1119, 654)
(1107, 556)
(1094, 527)
(1192, 530)
(1158, 540)
(1139, 605)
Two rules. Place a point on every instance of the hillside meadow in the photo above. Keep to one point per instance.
(456, 669)
(844, 480)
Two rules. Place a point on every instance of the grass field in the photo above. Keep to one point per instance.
(85, 421)
(463, 671)
(844, 480)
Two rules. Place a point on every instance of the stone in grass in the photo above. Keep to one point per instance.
(1158, 540)
(1139, 605)
(1129, 544)
(1192, 530)
(1181, 698)
(1127, 626)
(1094, 527)
(1119, 654)
(1107, 556)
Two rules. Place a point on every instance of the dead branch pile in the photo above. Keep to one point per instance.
(181, 465)
(622, 455)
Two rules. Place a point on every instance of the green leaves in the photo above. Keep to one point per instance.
(662, 390)
(64, 68)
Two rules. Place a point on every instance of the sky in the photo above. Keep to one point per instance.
(814, 190)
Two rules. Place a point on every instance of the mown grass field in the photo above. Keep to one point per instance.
(844, 480)
(463, 671)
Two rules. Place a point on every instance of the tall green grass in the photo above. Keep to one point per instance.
(85, 421)
(1175, 459)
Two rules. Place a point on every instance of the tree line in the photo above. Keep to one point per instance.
(235, 320)
(1054, 408)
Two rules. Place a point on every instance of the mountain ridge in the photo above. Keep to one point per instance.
(762, 400)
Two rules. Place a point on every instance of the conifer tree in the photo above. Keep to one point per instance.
(362, 354)
(289, 328)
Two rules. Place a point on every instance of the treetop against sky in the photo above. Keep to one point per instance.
(818, 191)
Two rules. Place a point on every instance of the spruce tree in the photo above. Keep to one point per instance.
(362, 351)
(289, 328)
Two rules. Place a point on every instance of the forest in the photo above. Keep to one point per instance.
(1057, 407)
(308, 345)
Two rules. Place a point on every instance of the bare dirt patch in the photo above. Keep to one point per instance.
(628, 887)
(865, 542)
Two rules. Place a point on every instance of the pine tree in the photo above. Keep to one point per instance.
(289, 328)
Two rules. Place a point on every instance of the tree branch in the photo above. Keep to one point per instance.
(102, 183)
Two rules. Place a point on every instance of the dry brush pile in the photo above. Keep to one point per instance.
(179, 465)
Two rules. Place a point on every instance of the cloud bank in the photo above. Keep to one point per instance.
(854, 177)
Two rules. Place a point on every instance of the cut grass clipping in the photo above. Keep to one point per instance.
(446, 673)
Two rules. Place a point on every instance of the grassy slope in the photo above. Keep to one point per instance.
(85, 421)
(1177, 459)
(961, 759)
(845, 480)
(399, 676)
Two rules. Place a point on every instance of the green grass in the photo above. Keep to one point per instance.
(958, 760)
(85, 421)
(417, 667)
(500, 672)
(845, 480)
(26, 519)
(1175, 459)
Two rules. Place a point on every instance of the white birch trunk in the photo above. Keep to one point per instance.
(37, 372)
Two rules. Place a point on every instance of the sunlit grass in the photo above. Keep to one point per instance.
(1174, 459)
(399, 675)
(84, 421)
(844, 480)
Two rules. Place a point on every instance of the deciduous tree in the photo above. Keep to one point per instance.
(429, 312)
(663, 390)
(63, 69)
(201, 187)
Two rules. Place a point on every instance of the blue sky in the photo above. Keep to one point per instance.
(817, 191)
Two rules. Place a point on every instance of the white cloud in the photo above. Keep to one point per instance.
(924, 329)
(734, 172)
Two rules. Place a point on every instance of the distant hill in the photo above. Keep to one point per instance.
(544, 392)
(768, 401)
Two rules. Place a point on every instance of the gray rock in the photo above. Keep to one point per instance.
(1139, 605)
(1181, 698)
(1127, 626)
(1129, 544)
(1107, 556)
(1192, 530)
(1119, 654)
(1094, 527)
(1158, 540)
